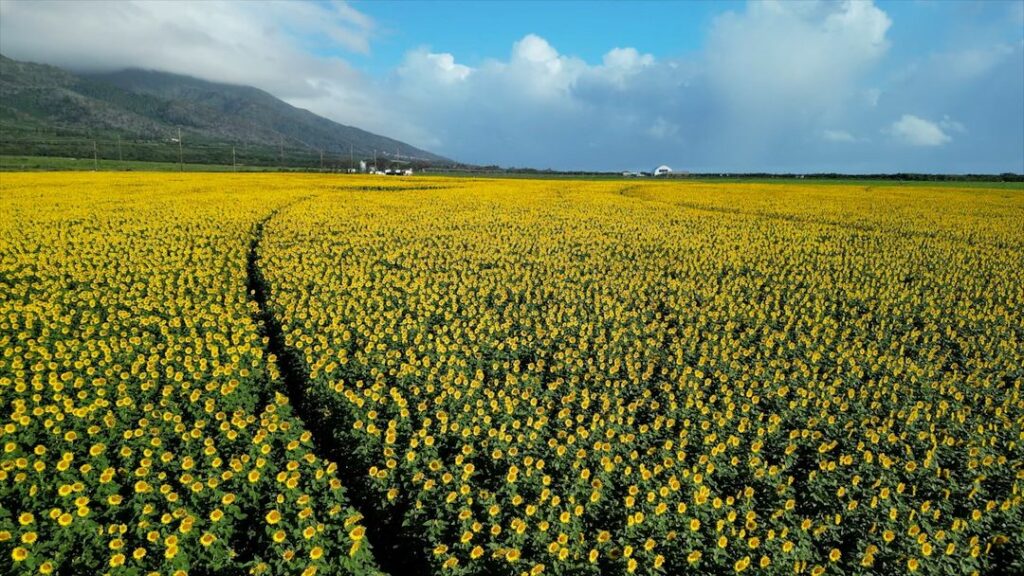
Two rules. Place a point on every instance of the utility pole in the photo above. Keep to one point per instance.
(281, 161)
(234, 165)
(375, 160)
(321, 159)
(351, 158)
(95, 158)
(120, 157)
(181, 161)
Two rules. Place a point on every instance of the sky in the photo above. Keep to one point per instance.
(774, 86)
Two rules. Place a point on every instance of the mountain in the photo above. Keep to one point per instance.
(44, 109)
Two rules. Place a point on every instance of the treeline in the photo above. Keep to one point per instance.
(897, 176)
(195, 152)
(905, 176)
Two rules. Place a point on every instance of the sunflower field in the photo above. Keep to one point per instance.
(299, 374)
(143, 431)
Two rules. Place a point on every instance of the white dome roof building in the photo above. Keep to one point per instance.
(662, 170)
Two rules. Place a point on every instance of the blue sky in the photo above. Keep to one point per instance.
(850, 86)
(476, 32)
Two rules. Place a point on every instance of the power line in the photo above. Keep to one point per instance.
(156, 150)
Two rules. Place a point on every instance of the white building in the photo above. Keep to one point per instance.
(662, 170)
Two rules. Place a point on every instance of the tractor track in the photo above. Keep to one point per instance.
(395, 550)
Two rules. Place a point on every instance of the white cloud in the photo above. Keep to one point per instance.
(910, 129)
(535, 69)
(871, 97)
(626, 59)
(533, 48)
(775, 69)
(663, 129)
(837, 136)
(266, 44)
(971, 63)
(621, 65)
(951, 125)
(763, 72)
(287, 48)
(425, 66)
(806, 54)
(449, 70)
(1016, 13)
(779, 69)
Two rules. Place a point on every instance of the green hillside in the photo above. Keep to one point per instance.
(136, 115)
